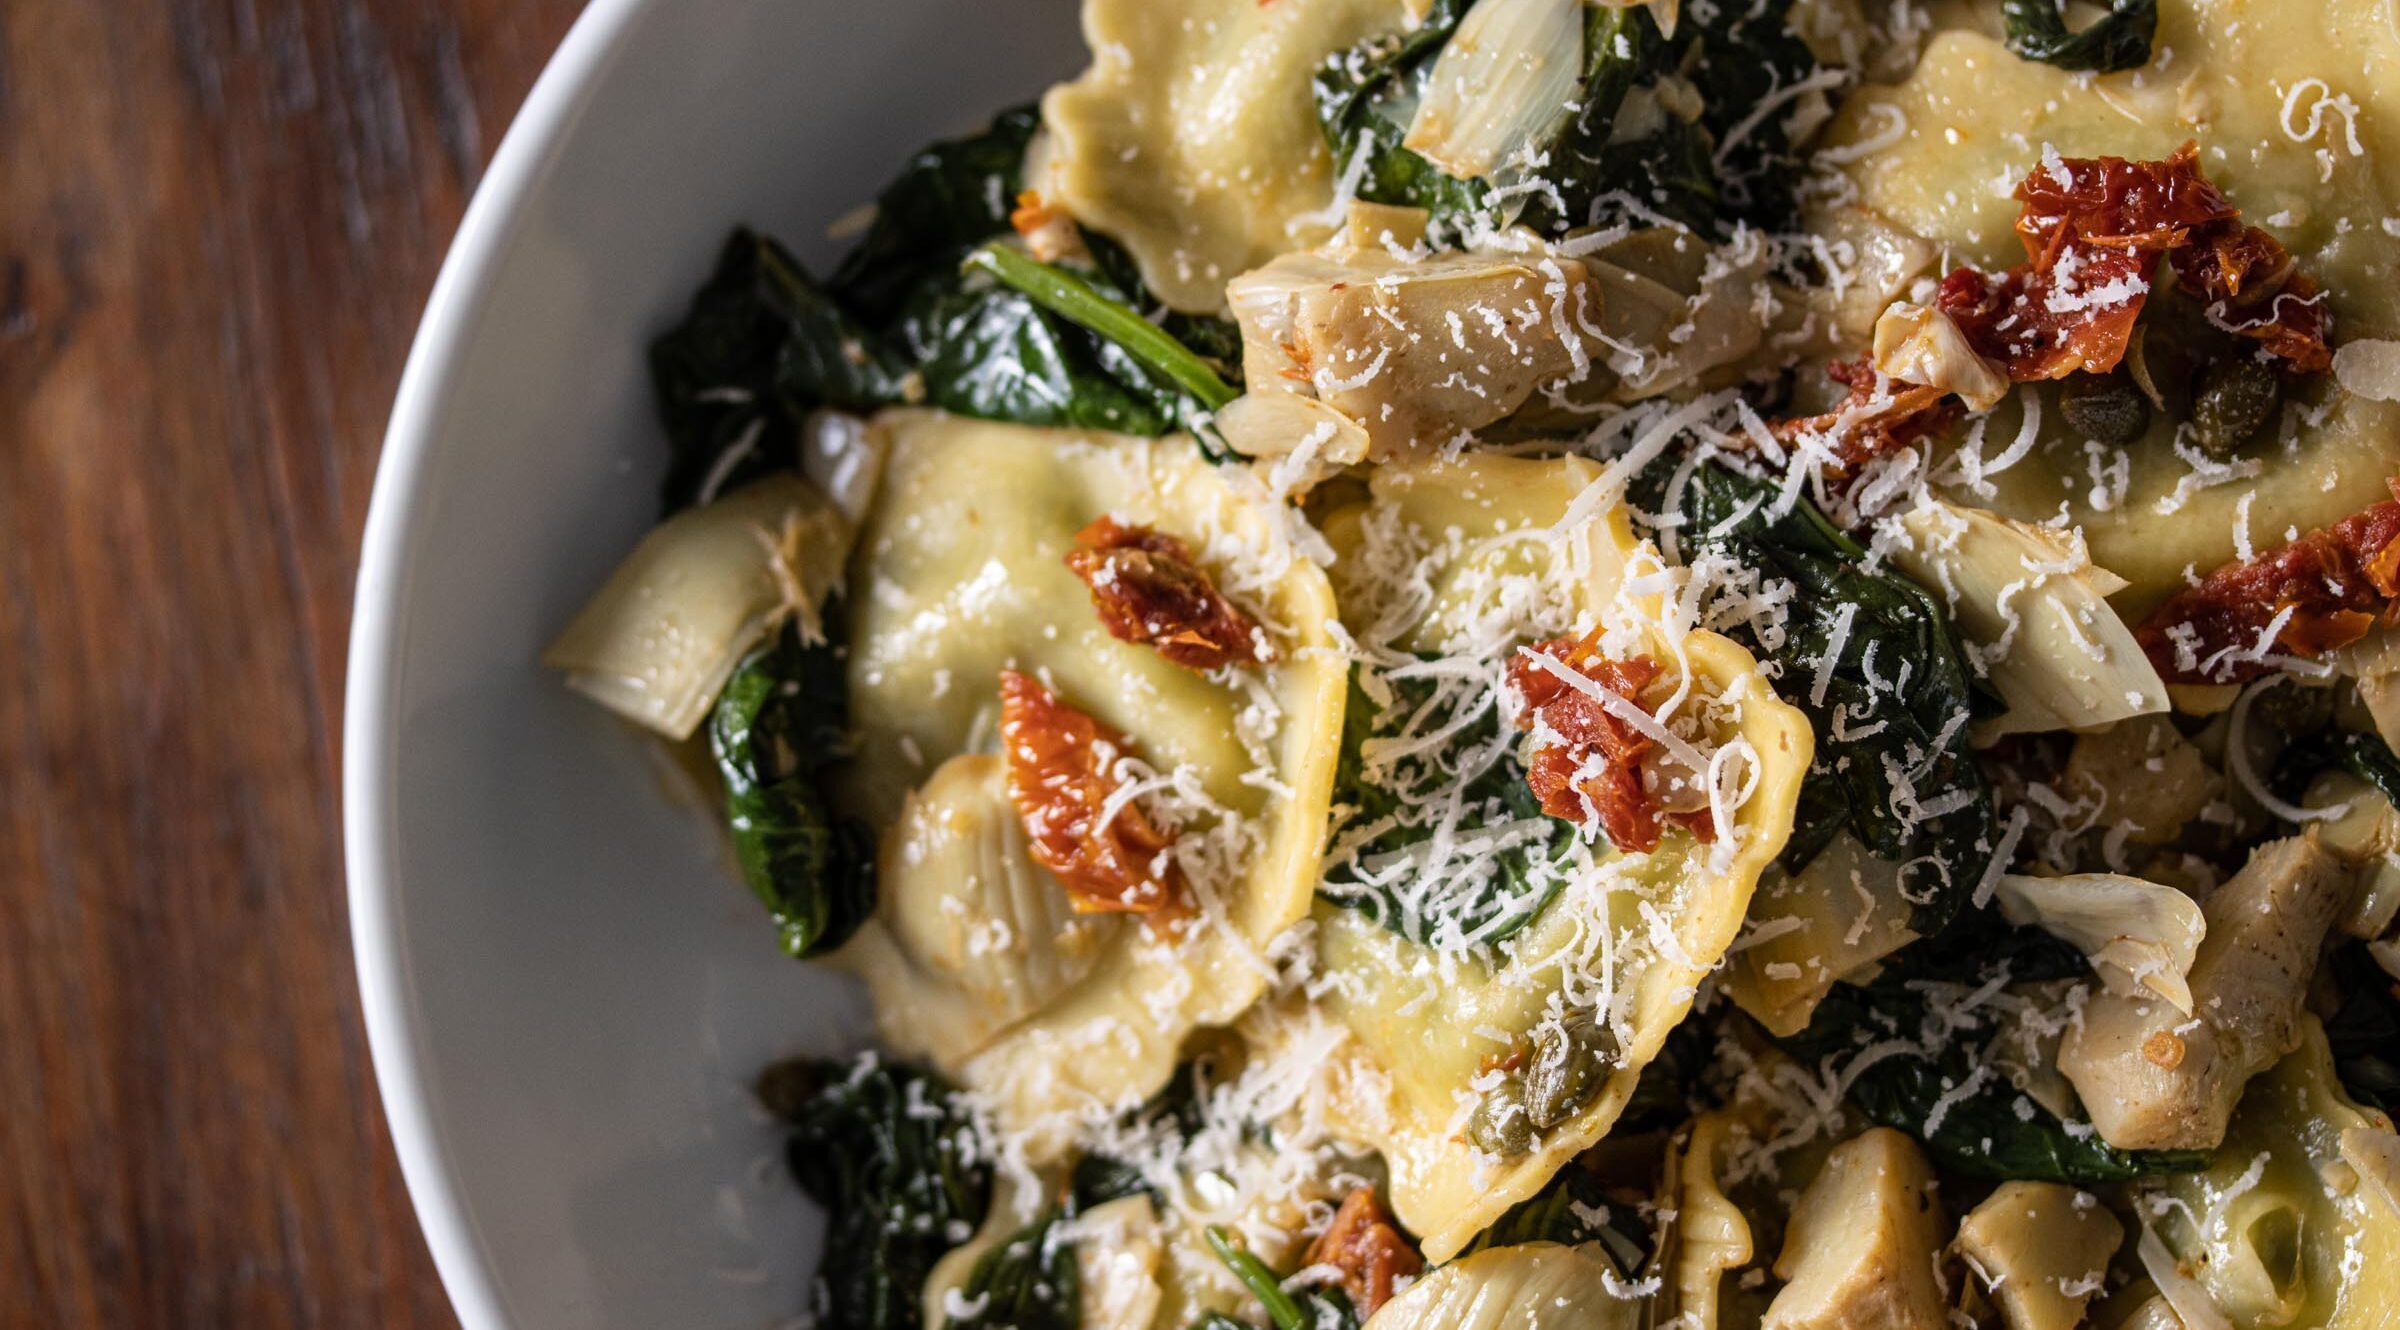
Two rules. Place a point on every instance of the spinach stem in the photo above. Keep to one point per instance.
(1075, 300)
(1282, 1308)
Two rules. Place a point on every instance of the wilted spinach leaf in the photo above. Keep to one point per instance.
(1088, 304)
(1876, 663)
(1026, 1283)
(888, 1153)
(761, 346)
(1176, 1111)
(1744, 59)
(985, 351)
(982, 348)
(1365, 97)
(1216, 340)
(2037, 30)
(1620, 157)
(1939, 1086)
(781, 723)
(904, 320)
(1484, 904)
(950, 197)
(2364, 1031)
(2365, 756)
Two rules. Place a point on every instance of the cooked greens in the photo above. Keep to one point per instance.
(2364, 1030)
(1486, 906)
(1875, 661)
(778, 731)
(950, 197)
(1086, 303)
(1921, 1064)
(1176, 1112)
(1305, 1309)
(760, 347)
(893, 1159)
(2037, 30)
(1664, 128)
(921, 311)
(2365, 756)
(1028, 1282)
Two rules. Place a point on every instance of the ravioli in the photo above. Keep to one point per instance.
(2262, 88)
(1192, 139)
(1310, 851)
(960, 574)
(1641, 929)
(2283, 1228)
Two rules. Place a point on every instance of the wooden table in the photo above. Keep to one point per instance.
(218, 222)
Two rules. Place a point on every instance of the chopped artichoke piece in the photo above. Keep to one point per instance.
(659, 639)
(1809, 930)
(2156, 1079)
(1860, 1251)
(1501, 87)
(1676, 310)
(2144, 778)
(1919, 344)
(2042, 1250)
(1872, 262)
(2036, 607)
(1301, 439)
(2140, 936)
(2368, 835)
(1416, 352)
(975, 935)
(1532, 1286)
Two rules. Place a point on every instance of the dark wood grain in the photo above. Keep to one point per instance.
(218, 223)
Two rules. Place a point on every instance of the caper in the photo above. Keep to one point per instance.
(2235, 397)
(1498, 1126)
(2105, 408)
(1569, 1063)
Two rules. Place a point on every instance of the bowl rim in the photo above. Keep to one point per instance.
(459, 300)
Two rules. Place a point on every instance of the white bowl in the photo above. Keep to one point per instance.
(565, 992)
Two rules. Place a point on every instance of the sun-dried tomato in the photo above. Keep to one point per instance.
(2094, 230)
(2046, 325)
(1059, 777)
(1149, 589)
(1879, 416)
(2253, 288)
(1593, 765)
(1368, 1249)
(2335, 582)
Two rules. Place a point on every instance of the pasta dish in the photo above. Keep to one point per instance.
(1596, 663)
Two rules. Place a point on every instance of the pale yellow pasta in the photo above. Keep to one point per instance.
(1425, 1026)
(2282, 1229)
(961, 575)
(1193, 138)
(2263, 89)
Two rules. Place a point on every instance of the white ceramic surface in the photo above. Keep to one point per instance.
(564, 991)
